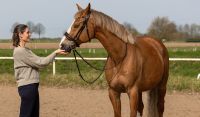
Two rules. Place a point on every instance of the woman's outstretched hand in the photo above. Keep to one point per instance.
(59, 51)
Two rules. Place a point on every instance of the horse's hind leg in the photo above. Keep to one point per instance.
(116, 102)
(140, 104)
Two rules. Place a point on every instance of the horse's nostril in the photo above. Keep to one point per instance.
(67, 48)
(62, 47)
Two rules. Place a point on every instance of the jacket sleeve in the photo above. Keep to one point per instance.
(33, 60)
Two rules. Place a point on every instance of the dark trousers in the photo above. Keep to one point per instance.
(29, 100)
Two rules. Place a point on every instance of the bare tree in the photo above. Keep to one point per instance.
(162, 28)
(31, 26)
(39, 29)
(190, 31)
(195, 31)
(131, 28)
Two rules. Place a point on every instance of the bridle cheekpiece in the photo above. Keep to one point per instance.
(75, 39)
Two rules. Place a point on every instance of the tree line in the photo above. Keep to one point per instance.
(160, 28)
(166, 30)
(37, 29)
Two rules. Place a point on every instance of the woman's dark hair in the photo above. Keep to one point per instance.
(20, 28)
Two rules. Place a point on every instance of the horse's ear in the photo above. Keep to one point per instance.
(87, 10)
(79, 7)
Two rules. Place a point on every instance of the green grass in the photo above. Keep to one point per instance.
(190, 52)
(182, 74)
(66, 71)
(183, 83)
(61, 80)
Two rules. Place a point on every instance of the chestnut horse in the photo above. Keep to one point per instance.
(134, 65)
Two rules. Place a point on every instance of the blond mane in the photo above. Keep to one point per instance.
(113, 26)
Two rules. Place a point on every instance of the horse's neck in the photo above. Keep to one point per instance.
(115, 47)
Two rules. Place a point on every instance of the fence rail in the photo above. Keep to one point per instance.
(102, 59)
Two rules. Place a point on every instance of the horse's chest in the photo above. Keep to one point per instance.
(119, 83)
(120, 79)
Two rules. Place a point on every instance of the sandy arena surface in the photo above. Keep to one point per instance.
(79, 102)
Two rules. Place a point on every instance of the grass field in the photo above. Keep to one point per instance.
(182, 74)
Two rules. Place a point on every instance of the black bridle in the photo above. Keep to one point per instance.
(76, 38)
(76, 41)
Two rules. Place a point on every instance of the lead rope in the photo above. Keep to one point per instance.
(89, 82)
(102, 70)
(89, 63)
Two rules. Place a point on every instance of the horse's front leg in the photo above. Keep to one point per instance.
(133, 96)
(140, 104)
(116, 102)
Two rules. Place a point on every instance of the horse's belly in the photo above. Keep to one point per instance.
(151, 79)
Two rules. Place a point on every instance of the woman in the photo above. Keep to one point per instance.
(26, 67)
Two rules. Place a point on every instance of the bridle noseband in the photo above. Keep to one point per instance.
(76, 39)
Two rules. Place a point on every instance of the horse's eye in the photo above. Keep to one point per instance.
(82, 16)
(76, 25)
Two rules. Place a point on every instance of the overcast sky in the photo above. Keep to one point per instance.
(57, 15)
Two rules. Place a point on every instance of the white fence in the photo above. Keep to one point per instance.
(102, 59)
(60, 58)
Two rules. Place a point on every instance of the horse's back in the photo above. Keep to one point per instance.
(148, 43)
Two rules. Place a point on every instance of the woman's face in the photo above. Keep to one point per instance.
(25, 36)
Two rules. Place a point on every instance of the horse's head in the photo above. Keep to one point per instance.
(80, 31)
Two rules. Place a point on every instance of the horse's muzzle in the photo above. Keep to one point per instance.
(68, 48)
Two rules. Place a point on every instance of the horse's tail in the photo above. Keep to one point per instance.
(152, 100)
(158, 93)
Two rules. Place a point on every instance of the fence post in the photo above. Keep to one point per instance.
(54, 67)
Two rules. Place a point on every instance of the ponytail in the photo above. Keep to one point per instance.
(20, 28)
